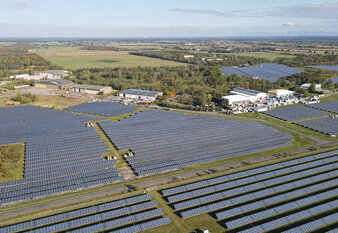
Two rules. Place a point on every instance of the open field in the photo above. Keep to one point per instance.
(51, 101)
(270, 56)
(333, 97)
(11, 161)
(74, 58)
(57, 102)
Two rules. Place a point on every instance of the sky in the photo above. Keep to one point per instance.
(170, 18)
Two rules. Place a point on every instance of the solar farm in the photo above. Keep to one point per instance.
(162, 141)
(335, 68)
(331, 107)
(268, 71)
(296, 113)
(102, 108)
(61, 153)
(298, 195)
(64, 157)
(132, 214)
(326, 125)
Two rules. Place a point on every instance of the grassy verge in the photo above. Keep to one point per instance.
(11, 162)
(333, 97)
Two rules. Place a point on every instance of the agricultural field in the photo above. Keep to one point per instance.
(75, 58)
(267, 55)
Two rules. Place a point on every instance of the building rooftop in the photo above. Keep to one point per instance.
(141, 92)
(57, 72)
(247, 91)
(58, 82)
(236, 98)
(89, 87)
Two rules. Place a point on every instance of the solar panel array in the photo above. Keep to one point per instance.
(297, 195)
(268, 71)
(61, 154)
(132, 214)
(331, 107)
(327, 67)
(164, 141)
(334, 80)
(295, 113)
(102, 108)
(327, 125)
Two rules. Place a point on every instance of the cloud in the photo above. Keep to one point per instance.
(214, 12)
(317, 10)
(203, 12)
(21, 4)
(289, 24)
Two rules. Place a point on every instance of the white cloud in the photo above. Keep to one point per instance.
(289, 24)
(317, 10)
(21, 4)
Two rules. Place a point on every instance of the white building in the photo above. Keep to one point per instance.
(140, 95)
(91, 89)
(254, 96)
(281, 93)
(235, 99)
(26, 77)
(307, 86)
(51, 74)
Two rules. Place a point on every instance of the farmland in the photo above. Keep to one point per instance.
(75, 58)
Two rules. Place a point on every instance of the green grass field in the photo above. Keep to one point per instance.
(75, 58)
(11, 162)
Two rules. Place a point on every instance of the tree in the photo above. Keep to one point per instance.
(312, 88)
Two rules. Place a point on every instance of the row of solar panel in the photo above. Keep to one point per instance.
(219, 155)
(296, 113)
(250, 172)
(259, 188)
(102, 108)
(37, 186)
(304, 214)
(86, 182)
(131, 133)
(61, 153)
(196, 151)
(267, 176)
(110, 215)
(326, 125)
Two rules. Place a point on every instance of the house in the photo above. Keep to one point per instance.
(188, 56)
(59, 84)
(140, 95)
(51, 74)
(91, 89)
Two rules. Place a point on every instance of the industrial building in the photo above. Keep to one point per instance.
(91, 89)
(59, 84)
(140, 95)
(281, 93)
(51, 74)
(26, 77)
(235, 99)
(307, 86)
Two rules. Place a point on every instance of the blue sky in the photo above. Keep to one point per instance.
(173, 18)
